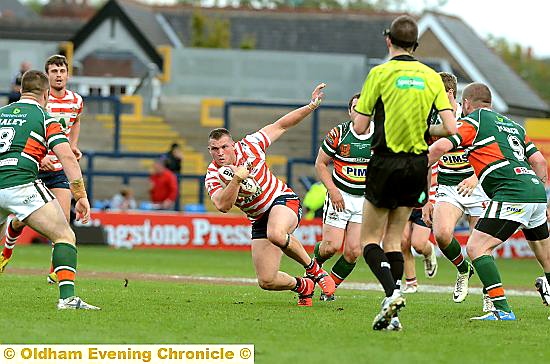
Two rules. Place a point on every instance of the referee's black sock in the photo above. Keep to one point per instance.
(397, 266)
(379, 265)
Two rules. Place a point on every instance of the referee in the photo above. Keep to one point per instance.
(400, 96)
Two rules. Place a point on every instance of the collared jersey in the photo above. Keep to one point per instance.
(498, 150)
(401, 95)
(27, 131)
(350, 155)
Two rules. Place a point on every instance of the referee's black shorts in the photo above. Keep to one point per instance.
(397, 179)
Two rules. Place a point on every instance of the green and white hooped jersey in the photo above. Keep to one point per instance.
(454, 166)
(350, 155)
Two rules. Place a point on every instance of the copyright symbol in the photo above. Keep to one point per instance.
(245, 353)
(9, 353)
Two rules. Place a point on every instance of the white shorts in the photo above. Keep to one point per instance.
(529, 215)
(23, 200)
(470, 205)
(352, 213)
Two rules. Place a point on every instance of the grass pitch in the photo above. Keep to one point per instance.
(153, 311)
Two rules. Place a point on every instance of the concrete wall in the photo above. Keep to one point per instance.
(15, 51)
(263, 75)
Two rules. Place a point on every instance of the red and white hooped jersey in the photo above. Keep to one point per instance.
(66, 110)
(251, 151)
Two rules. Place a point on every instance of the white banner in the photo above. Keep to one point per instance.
(128, 354)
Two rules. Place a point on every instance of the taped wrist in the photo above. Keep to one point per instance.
(78, 189)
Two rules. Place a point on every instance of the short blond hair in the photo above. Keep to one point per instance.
(450, 81)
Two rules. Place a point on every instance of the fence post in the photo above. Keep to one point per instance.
(177, 204)
(315, 134)
(289, 164)
(90, 176)
(116, 136)
(201, 189)
(226, 116)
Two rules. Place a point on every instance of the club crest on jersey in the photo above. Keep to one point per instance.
(345, 150)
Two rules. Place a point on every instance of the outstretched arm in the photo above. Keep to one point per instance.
(275, 130)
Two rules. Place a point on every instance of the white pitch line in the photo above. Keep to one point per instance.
(424, 288)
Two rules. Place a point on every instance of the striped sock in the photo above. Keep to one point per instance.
(11, 238)
(454, 253)
(488, 274)
(313, 269)
(411, 281)
(301, 285)
(341, 270)
(64, 262)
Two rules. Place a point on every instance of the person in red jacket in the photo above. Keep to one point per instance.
(164, 187)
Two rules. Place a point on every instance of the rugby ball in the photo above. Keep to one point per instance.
(249, 186)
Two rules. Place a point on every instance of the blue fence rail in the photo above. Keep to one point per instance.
(91, 172)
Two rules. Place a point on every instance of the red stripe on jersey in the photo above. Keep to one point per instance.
(69, 107)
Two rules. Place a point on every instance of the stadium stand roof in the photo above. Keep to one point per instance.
(299, 31)
(18, 21)
(47, 29)
(14, 9)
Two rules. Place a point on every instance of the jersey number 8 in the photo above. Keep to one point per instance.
(6, 137)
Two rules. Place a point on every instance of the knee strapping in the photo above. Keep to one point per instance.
(287, 242)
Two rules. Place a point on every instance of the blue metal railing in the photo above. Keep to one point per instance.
(91, 172)
(116, 114)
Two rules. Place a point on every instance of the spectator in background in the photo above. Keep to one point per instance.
(172, 158)
(124, 200)
(16, 84)
(164, 187)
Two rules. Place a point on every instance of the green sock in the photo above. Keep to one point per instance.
(341, 269)
(320, 260)
(487, 271)
(64, 265)
(454, 253)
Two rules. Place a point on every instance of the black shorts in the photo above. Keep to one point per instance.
(397, 179)
(55, 179)
(259, 227)
(504, 229)
(416, 218)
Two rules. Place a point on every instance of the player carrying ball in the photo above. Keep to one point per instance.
(274, 209)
